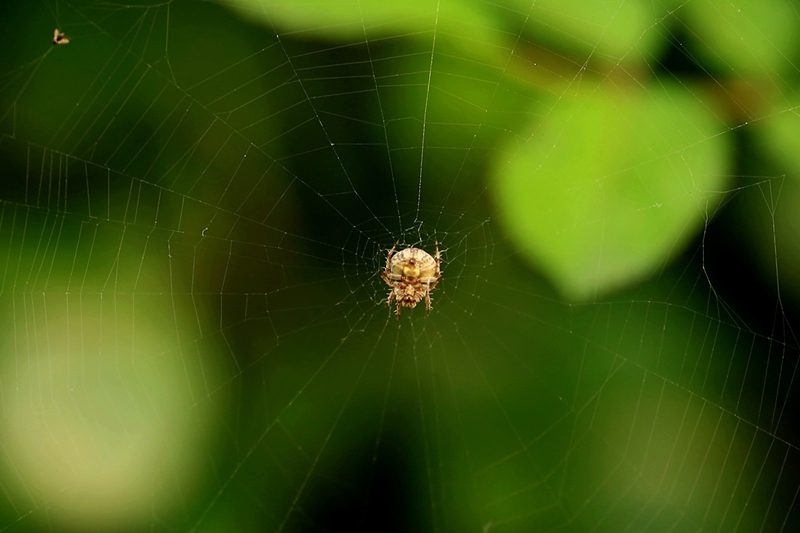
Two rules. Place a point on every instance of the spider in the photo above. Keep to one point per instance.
(412, 274)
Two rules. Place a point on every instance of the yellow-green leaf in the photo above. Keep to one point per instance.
(617, 30)
(468, 25)
(746, 37)
(611, 184)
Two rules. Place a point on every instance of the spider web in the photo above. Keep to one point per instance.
(195, 207)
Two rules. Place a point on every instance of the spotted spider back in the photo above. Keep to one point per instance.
(416, 257)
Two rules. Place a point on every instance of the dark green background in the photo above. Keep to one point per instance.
(195, 204)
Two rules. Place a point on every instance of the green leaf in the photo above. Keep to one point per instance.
(778, 133)
(464, 23)
(747, 37)
(611, 184)
(614, 29)
(339, 18)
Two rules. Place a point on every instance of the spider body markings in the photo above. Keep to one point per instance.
(412, 274)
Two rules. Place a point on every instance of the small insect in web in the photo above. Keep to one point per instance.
(58, 37)
(412, 274)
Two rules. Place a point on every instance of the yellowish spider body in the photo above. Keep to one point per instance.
(412, 274)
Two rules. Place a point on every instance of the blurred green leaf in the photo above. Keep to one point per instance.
(342, 18)
(611, 184)
(747, 37)
(779, 133)
(466, 24)
(615, 28)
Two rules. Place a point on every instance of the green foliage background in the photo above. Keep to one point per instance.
(197, 199)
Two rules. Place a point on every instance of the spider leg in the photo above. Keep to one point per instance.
(438, 268)
(389, 257)
(433, 284)
(385, 276)
(386, 270)
(397, 301)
